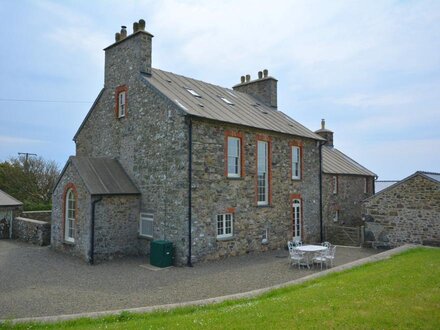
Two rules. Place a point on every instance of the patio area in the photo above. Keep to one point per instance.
(36, 281)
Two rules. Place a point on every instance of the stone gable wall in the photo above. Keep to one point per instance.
(215, 194)
(82, 226)
(408, 213)
(151, 145)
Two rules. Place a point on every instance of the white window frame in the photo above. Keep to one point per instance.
(263, 169)
(296, 162)
(148, 220)
(296, 213)
(227, 225)
(70, 216)
(234, 160)
(335, 184)
(122, 103)
(336, 216)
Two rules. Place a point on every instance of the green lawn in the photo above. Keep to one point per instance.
(400, 293)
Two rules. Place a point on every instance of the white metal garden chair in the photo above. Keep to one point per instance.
(296, 257)
(320, 258)
(331, 255)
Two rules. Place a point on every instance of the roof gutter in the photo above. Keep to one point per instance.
(189, 262)
(92, 232)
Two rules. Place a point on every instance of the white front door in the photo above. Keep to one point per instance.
(296, 214)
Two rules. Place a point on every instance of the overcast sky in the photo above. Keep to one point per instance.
(370, 68)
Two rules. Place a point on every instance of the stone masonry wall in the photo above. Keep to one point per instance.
(81, 233)
(215, 194)
(408, 213)
(38, 215)
(150, 142)
(348, 199)
(32, 231)
(116, 227)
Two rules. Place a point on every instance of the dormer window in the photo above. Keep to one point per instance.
(193, 92)
(121, 101)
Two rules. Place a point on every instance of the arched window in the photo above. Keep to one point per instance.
(70, 216)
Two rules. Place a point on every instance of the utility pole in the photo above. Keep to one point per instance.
(26, 154)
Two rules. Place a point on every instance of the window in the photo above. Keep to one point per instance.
(146, 225)
(336, 216)
(121, 104)
(224, 225)
(296, 213)
(263, 171)
(234, 159)
(224, 99)
(193, 92)
(121, 101)
(296, 162)
(335, 184)
(70, 208)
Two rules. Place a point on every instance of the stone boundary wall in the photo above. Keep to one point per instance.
(38, 215)
(32, 231)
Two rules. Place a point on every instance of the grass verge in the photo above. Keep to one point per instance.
(400, 293)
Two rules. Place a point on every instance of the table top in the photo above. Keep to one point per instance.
(311, 248)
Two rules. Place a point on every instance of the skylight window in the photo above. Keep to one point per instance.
(193, 92)
(181, 105)
(226, 100)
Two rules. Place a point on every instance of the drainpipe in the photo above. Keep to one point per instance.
(189, 263)
(92, 232)
(320, 191)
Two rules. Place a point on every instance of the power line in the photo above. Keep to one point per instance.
(41, 101)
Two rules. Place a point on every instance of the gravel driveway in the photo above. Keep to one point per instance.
(36, 281)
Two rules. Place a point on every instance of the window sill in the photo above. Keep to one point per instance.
(234, 178)
(264, 206)
(147, 238)
(296, 179)
(68, 243)
(224, 239)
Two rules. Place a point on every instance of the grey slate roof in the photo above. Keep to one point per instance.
(103, 176)
(433, 176)
(8, 200)
(383, 184)
(336, 162)
(245, 110)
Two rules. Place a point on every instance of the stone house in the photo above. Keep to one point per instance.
(9, 208)
(217, 171)
(406, 212)
(345, 184)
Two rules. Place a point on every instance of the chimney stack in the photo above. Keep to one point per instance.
(264, 88)
(121, 61)
(326, 134)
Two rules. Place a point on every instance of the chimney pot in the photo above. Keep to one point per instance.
(322, 123)
(265, 73)
(142, 25)
(248, 77)
(123, 32)
(260, 74)
(243, 79)
(135, 27)
(117, 36)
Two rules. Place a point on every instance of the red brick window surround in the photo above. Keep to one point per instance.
(70, 212)
(296, 160)
(121, 97)
(234, 154)
(263, 179)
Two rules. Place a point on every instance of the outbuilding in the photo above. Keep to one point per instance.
(9, 208)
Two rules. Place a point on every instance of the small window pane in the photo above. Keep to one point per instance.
(233, 156)
(146, 224)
